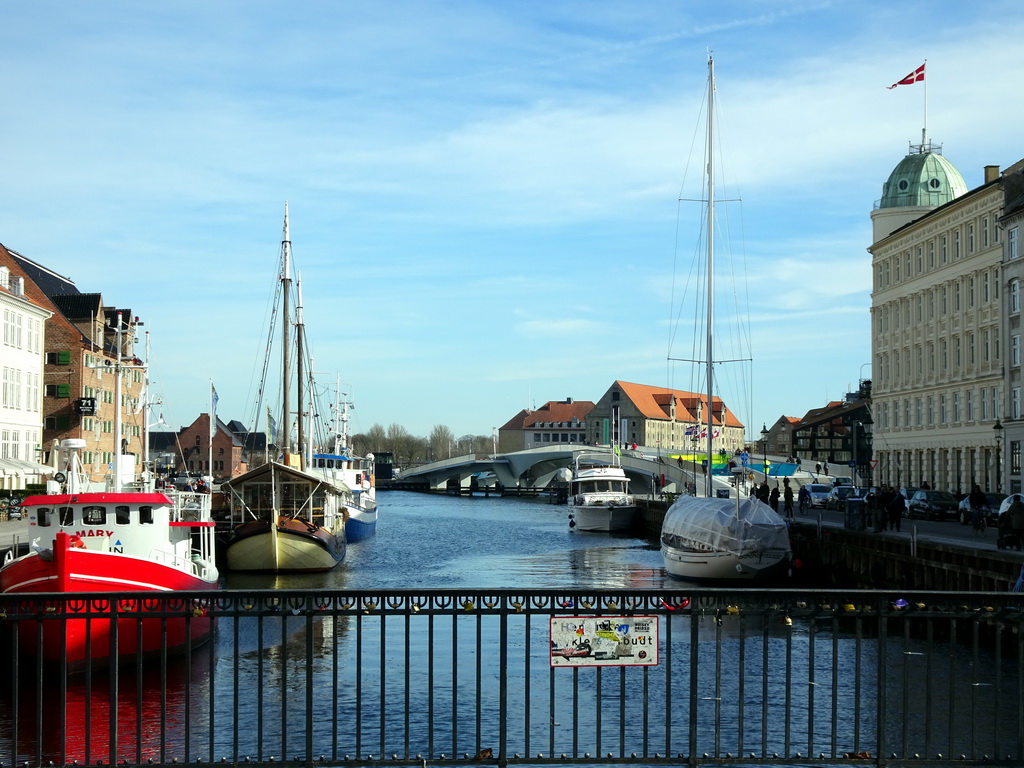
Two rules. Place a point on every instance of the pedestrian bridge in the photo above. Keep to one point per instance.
(540, 468)
(537, 677)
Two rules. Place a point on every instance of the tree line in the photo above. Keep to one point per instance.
(408, 449)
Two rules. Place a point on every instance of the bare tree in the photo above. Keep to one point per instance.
(440, 443)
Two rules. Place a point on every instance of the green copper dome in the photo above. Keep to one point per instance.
(922, 179)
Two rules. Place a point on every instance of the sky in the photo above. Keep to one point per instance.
(489, 201)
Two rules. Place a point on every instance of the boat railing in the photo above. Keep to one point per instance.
(545, 677)
(189, 506)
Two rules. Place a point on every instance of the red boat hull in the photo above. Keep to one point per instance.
(176, 623)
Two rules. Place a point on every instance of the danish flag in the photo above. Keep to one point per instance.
(916, 76)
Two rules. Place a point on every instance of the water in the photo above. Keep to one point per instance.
(433, 541)
(358, 681)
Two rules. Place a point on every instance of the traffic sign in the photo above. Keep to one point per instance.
(851, 463)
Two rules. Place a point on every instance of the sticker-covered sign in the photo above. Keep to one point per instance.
(613, 641)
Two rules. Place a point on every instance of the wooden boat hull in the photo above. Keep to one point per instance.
(288, 545)
(99, 638)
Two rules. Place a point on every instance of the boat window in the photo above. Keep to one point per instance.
(43, 516)
(146, 515)
(94, 515)
(122, 515)
(67, 515)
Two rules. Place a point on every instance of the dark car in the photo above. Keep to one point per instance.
(992, 502)
(837, 496)
(933, 505)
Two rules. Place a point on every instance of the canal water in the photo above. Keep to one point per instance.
(246, 693)
(435, 542)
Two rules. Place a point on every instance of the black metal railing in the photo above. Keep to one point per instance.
(525, 677)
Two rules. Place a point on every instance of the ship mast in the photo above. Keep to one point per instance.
(710, 266)
(286, 393)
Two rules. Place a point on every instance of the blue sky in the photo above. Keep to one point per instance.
(484, 195)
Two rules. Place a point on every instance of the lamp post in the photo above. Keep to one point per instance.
(764, 449)
(998, 429)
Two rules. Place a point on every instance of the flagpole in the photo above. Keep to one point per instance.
(924, 129)
(213, 427)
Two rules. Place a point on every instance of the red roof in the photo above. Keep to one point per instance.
(655, 403)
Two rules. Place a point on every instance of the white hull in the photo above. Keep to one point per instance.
(601, 518)
(723, 566)
(361, 523)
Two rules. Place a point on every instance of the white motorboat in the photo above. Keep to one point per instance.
(599, 499)
(712, 540)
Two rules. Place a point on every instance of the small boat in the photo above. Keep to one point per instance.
(112, 541)
(355, 473)
(286, 516)
(598, 496)
(717, 540)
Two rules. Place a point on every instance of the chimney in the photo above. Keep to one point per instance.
(991, 173)
(568, 400)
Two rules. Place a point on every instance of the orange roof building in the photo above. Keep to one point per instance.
(671, 419)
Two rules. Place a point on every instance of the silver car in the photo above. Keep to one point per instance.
(819, 492)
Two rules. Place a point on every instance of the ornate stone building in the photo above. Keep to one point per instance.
(937, 320)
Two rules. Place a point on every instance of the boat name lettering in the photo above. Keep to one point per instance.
(93, 533)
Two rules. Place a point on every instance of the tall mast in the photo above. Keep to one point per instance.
(300, 381)
(711, 261)
(286, 284)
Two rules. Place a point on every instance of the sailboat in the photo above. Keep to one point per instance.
(287, 518)
(706, 538)
(112, 539)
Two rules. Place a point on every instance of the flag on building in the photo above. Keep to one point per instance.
(916, 76)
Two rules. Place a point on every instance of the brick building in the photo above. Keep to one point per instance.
(82, 355)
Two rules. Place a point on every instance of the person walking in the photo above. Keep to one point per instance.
(896, 507)
(978, 504)
(804, 500)
(787, 497)
(773, 499)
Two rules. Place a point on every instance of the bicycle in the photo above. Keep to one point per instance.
(978, 520)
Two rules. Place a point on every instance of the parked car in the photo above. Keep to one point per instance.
(992, 502)
(837, 496)
(933, 505)
(819, 492)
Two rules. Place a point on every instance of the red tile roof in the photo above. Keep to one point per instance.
(655, 403)
(553, 410)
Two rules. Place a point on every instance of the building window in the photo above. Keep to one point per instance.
(1015, 403)
(1015, 457)
(984, 232)
(1012, 246)
(1014, 296)
(1015, 350)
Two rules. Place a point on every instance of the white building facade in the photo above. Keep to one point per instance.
(21, 369)
(939, 341)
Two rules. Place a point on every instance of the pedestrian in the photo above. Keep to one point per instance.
(773, 499)
(1016, 513)
(804, 500)
(896, 507)
(978, 504)
(788, 501)
(817, 470)
(763, 494)
(826, 468)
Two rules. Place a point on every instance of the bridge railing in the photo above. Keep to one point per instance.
(536, 677)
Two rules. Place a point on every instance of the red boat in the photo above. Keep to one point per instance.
(113, 543)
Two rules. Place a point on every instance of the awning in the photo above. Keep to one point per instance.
(19, 468)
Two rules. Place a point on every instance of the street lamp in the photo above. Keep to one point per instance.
(998, 429)
(764, 448)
